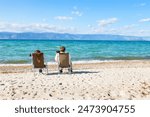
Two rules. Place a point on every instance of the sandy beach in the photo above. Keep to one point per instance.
(114, 80)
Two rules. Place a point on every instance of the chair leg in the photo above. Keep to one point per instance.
(60, 70)
(40, 71)
(46, 66)
(47, 70)
(70, 70)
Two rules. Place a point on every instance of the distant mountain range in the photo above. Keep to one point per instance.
(67, 36)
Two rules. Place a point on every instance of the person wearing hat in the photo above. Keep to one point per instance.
(62, 50)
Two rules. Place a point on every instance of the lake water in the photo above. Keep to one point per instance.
(17, 51)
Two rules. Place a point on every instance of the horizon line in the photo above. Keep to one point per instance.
(73, 33)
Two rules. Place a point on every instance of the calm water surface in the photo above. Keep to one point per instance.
(17, 51)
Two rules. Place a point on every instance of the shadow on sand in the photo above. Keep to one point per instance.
(74, 72)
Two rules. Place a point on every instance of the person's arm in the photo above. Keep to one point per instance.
(56, 57)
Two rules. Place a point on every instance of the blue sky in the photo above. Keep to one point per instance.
(123, 17)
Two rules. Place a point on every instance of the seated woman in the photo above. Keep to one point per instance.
(38, 60)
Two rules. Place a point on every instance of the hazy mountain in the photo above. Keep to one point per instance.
(66, 36)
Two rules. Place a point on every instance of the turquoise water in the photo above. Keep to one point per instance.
(17, 51)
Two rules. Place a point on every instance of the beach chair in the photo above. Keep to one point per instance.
(64, 62)
(38, 62)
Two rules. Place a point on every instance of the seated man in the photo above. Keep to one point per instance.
(63, 59)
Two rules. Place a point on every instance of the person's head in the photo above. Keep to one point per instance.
(37, 51)
(62, 49)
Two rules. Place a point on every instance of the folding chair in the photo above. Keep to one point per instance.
(38, 62)
(64, 62)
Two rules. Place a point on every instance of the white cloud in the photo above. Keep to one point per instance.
(63, 18)
(78, 13)
(16, 27)
(36, 27)
(144, 31)
(90, 26)
(128, 27)
(145, 20)
(142, 4)
(132, 29)
(129, 30)
(75, 8)
(106, 22)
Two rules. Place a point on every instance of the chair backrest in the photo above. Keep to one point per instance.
(64, 60)
(38, 60)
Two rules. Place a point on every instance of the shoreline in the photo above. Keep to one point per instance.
(14, 68)
(20, 68)
(74, 62)
(119, 80)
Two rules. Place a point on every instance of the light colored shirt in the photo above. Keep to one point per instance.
(57, 58)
